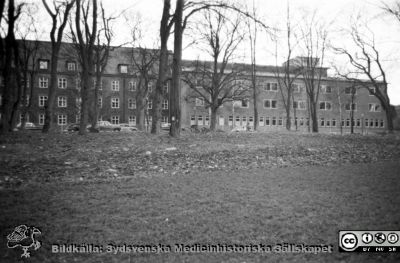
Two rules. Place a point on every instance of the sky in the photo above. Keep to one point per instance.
(335, 13)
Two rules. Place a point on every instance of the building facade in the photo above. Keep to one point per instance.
(118, 93)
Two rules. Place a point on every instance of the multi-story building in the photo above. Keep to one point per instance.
(338, 99)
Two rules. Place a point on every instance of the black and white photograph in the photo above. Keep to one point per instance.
(221, 131)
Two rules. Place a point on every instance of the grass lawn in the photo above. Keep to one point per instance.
(201, 189)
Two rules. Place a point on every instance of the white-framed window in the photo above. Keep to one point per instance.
(132, 120)
(326, 89)
(299, 104)
(71, 66)
(371, 123)
(200, 120)
(164, 104)
(270, 104)
(62, 119)
(221, 121)
(192, 120)
(325, 105)
(374, 107)
(328, 123)
(132, 85)
(41, 119)
(21, 116)
(78, 101)
(350, 90)
(115, 119)
(42, 100)
(78, 83)
(322, 122)
(150, 87)
(296, 88)
(114, 103)
(351, 106)
(271, 86)
(199, 101)
(230, 120)
(100, 86)
(165, 88)
(382, 124)
(376, 123)
(347, 122)
(100, 102)
(237, 121)
(115, 85)
(62, 83)
(267, 121)
(245, 103)
(43, 64)
(244, 120)
(273, 121)
(123, 69)
(280, 121)
(150, 104)
(261, 121)
(43, 82)
(366, 122)
(251, 120)
(371, 91)
(131, 103)
(62, 101)
(333, 123)
(207, 120)
(358, 123)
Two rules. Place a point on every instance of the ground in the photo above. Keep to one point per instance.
(215, 188)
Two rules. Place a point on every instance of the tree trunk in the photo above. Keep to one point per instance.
(52, 90)
(213, 120)
(314, 116)
(85, 101)
(176, 72)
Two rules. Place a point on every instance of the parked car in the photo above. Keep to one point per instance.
(28, 126)
(108, 126)
(165, 126)
(127, 127)
(73, 127)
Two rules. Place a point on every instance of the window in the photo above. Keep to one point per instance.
(371, 91)
(199, 101)
(300, 105)
(199, 120)
(301, 121)
(371, 123)
(71, 66)
(123, 69)
(207, 120)
(376, 123)
(296, 88)
(78, 101)
(100, 86)
(326, 89)
(221, 121)
(322, 122)
(230, 120)
(358, 123)
(164, 119)
(114, 103)
(342, 124)
(132, 86)
(270, 104)
(271, 86)
(21, 117)
(78, 83)
(192, 120)
(350, 90)
(325, 105)
(261, 121)
(43, 64)
(149, 104)
(237, 121)
(115, 85)
(251, 120)
(366, 123)
(374, 107)
(347, 122)
(333, 122)
(382, 123)
(274, 121)
(351, 106)
(267, 123)
(280, 121)
(62, 101)
(62, 119)
(328, 123)
(62, 83)
(165, 88)
(244, 120)
(100, 102)
(115, 119)
(41, 119)
(132, 120)
(43, 82)
(245, 103)
(164, 104)
(150, 87)
(42, 101)
(131, 103)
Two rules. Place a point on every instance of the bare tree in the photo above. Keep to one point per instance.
(60, 13)
(214, 81)
(366, 61)
(10, 68)
(314, 40)
(85, 36)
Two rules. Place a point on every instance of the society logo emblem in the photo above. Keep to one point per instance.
(24, 237)
(349, 241)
